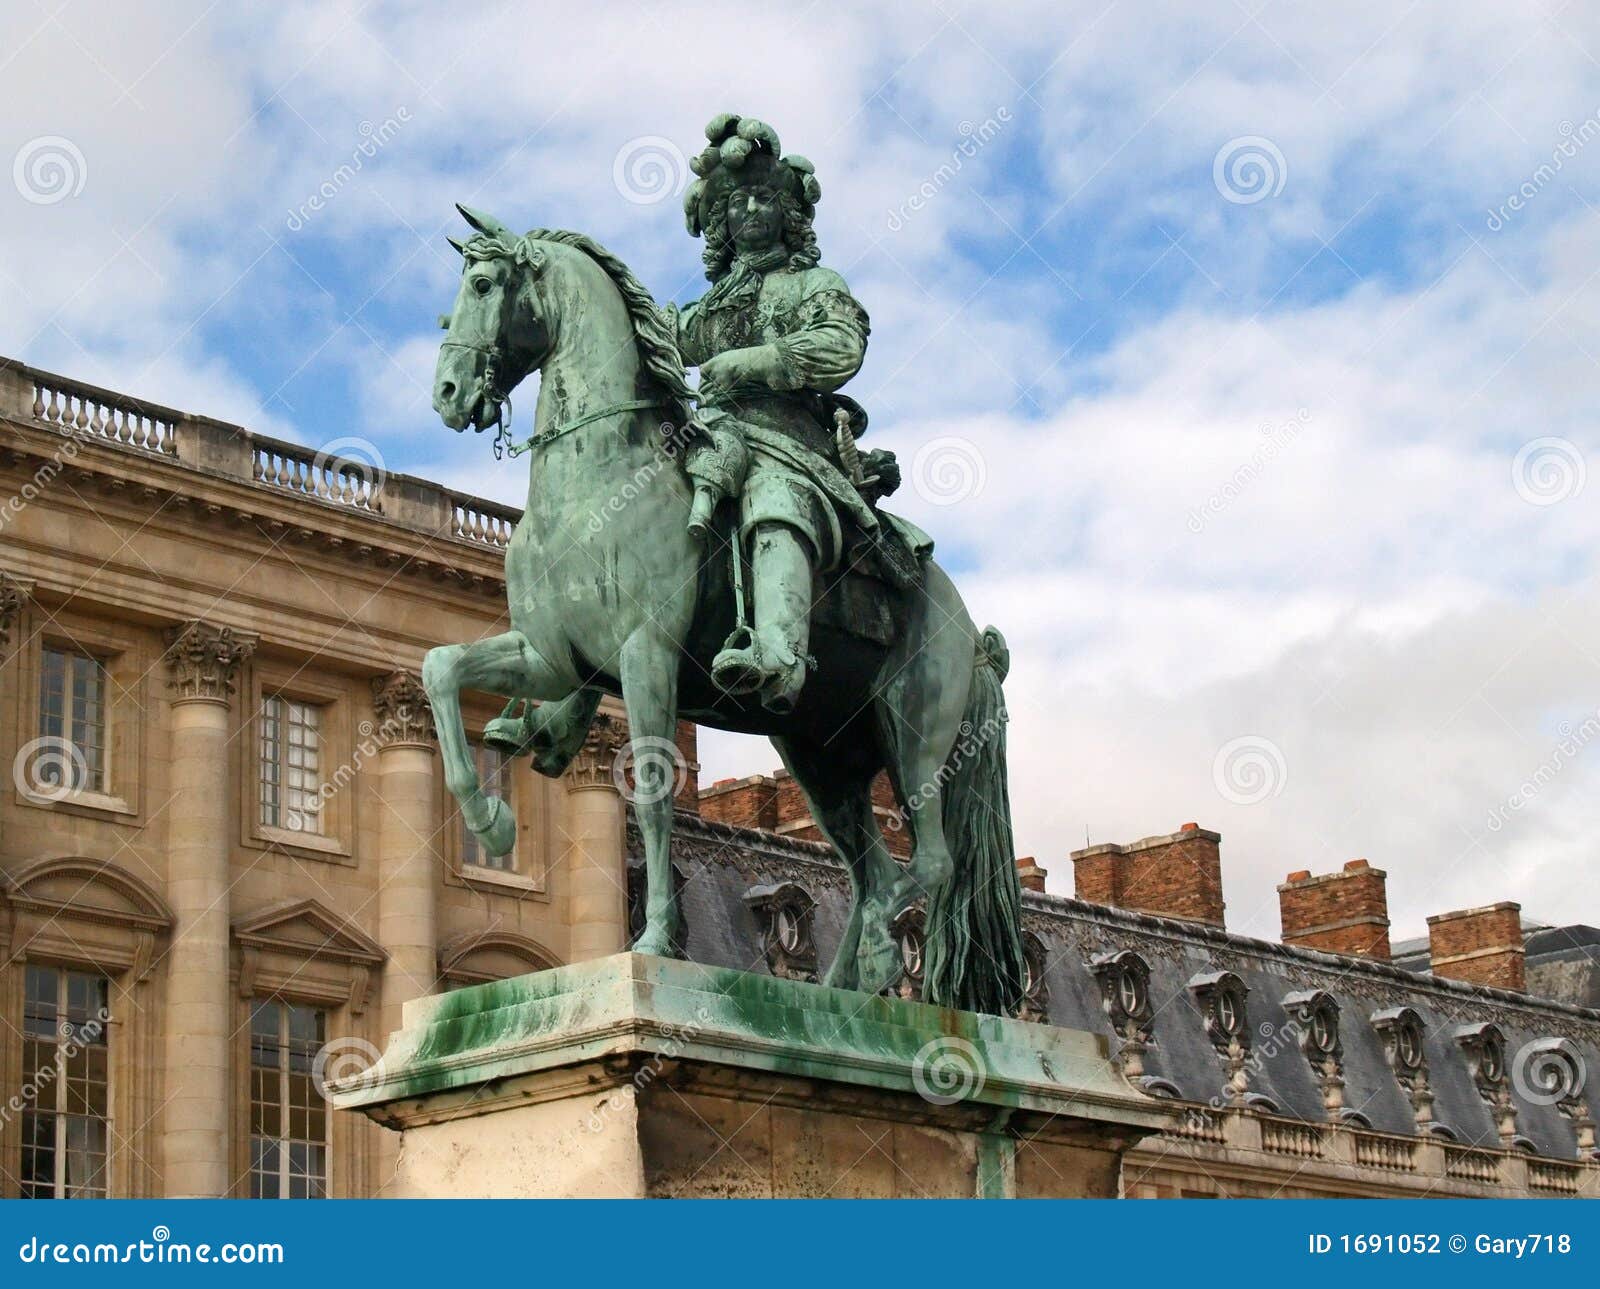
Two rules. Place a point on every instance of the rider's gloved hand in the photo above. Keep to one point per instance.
(762, 366)
(881, 462)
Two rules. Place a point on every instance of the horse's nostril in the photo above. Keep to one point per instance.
(447, 389)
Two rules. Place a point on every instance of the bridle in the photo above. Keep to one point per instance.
(491, 388)
(504, 444)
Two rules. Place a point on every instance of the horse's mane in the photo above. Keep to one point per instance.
(658, 348)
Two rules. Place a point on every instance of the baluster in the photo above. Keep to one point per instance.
(38, 402)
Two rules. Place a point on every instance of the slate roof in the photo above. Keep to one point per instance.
(718, 864)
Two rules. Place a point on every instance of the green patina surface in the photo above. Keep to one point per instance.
(720, 551)
(635, 1003)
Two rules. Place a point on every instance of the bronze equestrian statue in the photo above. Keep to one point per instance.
(719, 554)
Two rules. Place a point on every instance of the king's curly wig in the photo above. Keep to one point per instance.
(743, 154)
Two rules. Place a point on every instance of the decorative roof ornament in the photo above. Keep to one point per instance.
(1405, 1050)
(1316, 1013)
(1221, 997)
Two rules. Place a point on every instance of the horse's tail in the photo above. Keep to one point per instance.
(973, 950)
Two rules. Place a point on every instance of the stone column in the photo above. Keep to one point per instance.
(594, 830)
(408, 841)
(202, 661)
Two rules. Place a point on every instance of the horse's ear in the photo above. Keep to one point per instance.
(461, 247)
(483, 223)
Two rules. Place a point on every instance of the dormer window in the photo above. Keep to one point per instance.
(1220, 996)
(784, 913)
(909, 930)
(1035, 992)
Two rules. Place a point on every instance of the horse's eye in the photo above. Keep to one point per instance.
(482, 285)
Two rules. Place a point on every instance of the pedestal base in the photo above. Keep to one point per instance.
(640, 1076)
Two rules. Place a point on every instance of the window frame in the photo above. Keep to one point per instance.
(284, 710)
(94, 916)
(284, 1108)
(74, 662)
(503, 784)
(59, 1086)
(126, 664)
(535, 803)
(339, 763)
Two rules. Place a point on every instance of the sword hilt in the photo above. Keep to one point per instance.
(848, 456)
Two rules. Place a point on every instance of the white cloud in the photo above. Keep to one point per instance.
(1374, 596)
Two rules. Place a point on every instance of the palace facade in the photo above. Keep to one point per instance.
(227, 861)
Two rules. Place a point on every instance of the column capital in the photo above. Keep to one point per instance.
(595, 764)
(14, 593)
(203, 660)
(405, 717)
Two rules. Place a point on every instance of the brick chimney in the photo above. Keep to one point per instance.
(1345, 912)
(1030, 874)
(1482, 946)
(744, 803)
(1176, 876)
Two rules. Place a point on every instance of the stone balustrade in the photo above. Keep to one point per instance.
(1345, 1158)
(71, 407)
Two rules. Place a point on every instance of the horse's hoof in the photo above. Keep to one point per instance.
(656, 942)
(499, 835)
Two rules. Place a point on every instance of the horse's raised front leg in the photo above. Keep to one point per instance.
(503, 664)
(649, 675)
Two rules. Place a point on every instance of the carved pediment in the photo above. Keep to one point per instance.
(480, 956)
(87, 910)
(303, 949)
(94, 889)
(308, 929)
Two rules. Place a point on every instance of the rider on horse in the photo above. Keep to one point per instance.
(774, 337)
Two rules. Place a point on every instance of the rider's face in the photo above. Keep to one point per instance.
(755, 220)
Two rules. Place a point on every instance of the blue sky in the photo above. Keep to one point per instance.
(1223, 369)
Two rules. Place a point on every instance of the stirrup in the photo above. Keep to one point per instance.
(737, 667)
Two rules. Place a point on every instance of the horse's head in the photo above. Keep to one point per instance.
(496, 332)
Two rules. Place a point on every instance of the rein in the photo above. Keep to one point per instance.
(616, 409)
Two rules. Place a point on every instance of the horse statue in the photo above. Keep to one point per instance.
(609, 593)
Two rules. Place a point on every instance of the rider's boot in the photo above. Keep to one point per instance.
(771, 659)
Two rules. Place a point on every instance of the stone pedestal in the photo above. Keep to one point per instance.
(637, 1076)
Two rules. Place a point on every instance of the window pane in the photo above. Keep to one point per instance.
(288, 1118)
(494, 773)
(72, 708)
(65, 1126)
(291, 765)
(271, 761)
